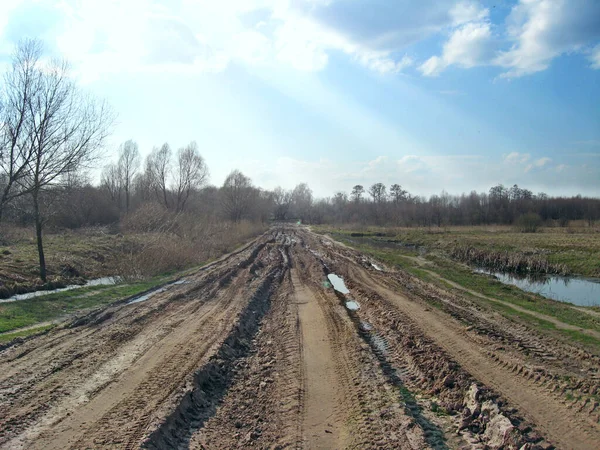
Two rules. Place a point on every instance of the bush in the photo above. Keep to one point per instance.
(529, 223)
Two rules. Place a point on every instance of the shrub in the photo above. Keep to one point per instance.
(529, 223)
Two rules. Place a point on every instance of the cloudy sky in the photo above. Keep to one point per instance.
(455, 95)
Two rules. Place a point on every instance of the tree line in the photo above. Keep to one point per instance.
(51, 133)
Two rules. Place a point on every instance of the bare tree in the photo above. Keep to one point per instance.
(282, 200)
(158, 168)
(21, 85)
(129, 163)
(302, 200)
(111, 182)
(66, 130)
(236, 192)
(397, 193)
(357, 193)
(377, 191)
(191, 173)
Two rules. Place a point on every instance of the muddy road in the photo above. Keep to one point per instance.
(258, 350)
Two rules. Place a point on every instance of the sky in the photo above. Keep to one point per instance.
(457, 95)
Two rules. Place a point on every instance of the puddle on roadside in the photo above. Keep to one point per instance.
(104, 281)
(338, 283)
(148, 295)
(578, 291)
(143, 298)
(379, 343)
(366, 326)
(352, 305)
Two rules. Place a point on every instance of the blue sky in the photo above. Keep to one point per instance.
(455, 95)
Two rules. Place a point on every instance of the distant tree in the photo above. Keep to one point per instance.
(129, 163)
(377, 192)
(66, 129)
(357, 193)
(282, 200)
(397, 193)
(236, 193)
(111, 182)
(191, 173)
(158, 168)
(302, 200)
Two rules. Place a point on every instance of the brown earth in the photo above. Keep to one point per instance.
(258, 351)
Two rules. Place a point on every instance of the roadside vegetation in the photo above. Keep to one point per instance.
(153, 211)
(425, 255)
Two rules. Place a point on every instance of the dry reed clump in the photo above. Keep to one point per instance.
(504, 261)
(165, 242)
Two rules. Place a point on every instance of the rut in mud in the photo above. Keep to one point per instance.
(257, 350)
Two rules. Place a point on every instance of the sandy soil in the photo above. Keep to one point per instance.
(258, 351)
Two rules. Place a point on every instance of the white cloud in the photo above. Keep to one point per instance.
(468, 46)
(517, 158)
(595, 57)
(468, 11)
(538, 163)
(541, 30)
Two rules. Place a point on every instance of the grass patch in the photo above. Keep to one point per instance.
(7, 337)
(488, 286)
(576, 248)
(28, 312)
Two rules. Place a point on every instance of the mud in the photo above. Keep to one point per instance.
(258, 350)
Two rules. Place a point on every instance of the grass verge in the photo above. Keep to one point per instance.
(440, 270)
(24, 313)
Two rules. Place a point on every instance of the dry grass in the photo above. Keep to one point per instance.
(576, 247)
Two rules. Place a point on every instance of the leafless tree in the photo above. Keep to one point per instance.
(397, 193)
(357, 193)
(129, 163)
(302, 200)
(158, 168)
(282, 200)
(191, 173)
(377, 191)
(111, 182)
(236, 193)
(21, 85)
(66, 130)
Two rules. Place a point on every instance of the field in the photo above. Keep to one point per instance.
(578, 248)
(257, 350)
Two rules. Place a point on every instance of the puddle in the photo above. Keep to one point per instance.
(148, 295)
(105, 281)
(143, 298)
(366, 326)
(352, 305)
(578, 291)
(376, 267)
(379, 343)
(338, 283)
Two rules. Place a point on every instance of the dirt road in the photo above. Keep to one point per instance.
(259, 351)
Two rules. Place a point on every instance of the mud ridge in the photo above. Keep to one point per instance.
(212, 381)
(434, 436)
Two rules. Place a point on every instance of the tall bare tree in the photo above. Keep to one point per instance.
(66, 130)
(357, 193)
(21, 85)
(111, 182)
(236, 194)
(282, 200)
(158, 168)
(302, 200)
(377, 191)
(191, 173)
(129, 163)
